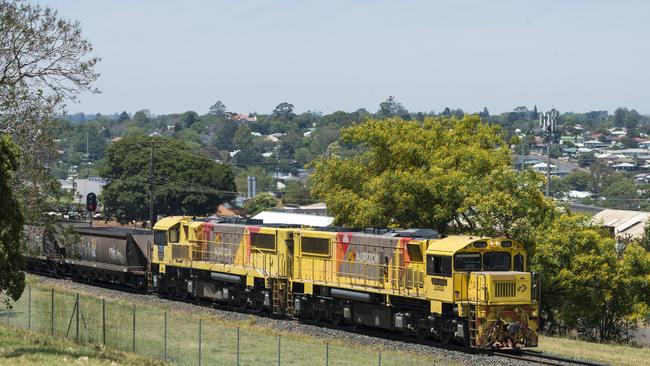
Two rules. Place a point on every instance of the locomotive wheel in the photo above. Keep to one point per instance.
(258, 305)
(243, 302)
(445, 337)
(422, 333)
(316, 315)
(336, 318)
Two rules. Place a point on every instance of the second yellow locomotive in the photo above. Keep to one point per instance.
(474, 290)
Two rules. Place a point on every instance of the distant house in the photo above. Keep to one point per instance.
(572, 139)
(82, 187)
(595, 144)
(579, 194)
(243, 118)
(632, 153)
(624, 167)
(569, 151)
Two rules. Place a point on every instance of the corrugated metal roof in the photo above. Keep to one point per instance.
(273, 217)
(624, 222)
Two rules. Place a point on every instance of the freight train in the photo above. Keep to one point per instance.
(468, 289)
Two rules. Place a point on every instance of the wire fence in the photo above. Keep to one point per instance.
(180, 337)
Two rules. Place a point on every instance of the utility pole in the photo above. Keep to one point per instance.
(87, 157)
(548, 125)
(523, 139)
(152, 145)
(151, 169)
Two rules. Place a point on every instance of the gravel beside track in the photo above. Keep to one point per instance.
(283, 326)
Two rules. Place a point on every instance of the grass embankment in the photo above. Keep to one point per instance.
(20, 347)
(258, 343)
(614, 354)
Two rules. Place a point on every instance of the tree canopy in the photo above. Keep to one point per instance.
(12, 278)
(44, 61)
(589, 279)
(185, 183)
(450, 174)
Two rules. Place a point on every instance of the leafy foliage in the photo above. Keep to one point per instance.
(392, 108)
(590, 281)
(184, 182)
(446, 173)
(259, 203)
(296, 193)
(44, 61)
(12, 278)
(219, 109)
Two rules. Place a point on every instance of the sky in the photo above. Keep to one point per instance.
(175, 56)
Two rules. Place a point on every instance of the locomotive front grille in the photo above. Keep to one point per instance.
(504, 289)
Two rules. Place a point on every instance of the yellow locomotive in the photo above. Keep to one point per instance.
(474, 290)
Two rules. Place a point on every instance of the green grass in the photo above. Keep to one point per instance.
(20, 347)
(614, 354)
(258, 344)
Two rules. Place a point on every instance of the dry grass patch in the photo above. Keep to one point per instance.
(599, 352)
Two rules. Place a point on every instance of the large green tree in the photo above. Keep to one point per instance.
(185, 182)
(12, 278)
(44, 62)
(450, 174)
(590, 281)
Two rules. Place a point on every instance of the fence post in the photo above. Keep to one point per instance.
(165, 339)
(237, 346)
(104, 322)
(52, 312)
(199, 342)
(133, 328)
(29, 308)
(279, 350)
(77, 308)
(327, 354)
(379, 357)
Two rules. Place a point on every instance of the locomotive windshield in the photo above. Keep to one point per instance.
(467, 262)
(489, 261)
(496, 261)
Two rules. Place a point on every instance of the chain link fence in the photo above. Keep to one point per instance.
(179, 337)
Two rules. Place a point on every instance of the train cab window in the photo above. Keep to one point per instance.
(467, 262)
(496, 261)
(415, 252)
(174, 234)
(519, 263)
(438, 265)
(315, 246)
(263, 241)
(160, 237)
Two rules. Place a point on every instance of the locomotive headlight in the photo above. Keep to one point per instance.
(534, 313)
